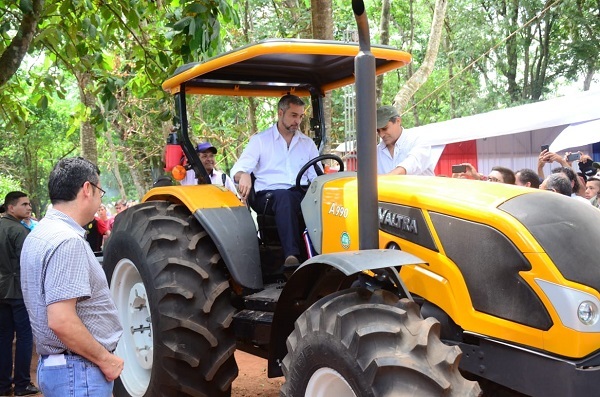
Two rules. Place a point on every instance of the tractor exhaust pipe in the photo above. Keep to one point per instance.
(366, 145)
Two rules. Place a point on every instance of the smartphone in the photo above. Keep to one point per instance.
(545, 147)
(573, 157)
(456, 169)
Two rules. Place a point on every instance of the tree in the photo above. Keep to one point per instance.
(140, 41)
(422, 74)
(322, 27)
(23, 18)
(27, 155)
(384, 28)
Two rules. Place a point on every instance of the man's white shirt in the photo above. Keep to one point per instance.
(216, 178)
(409, 154)
(274, 165)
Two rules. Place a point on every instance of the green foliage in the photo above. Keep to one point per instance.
(30, 149)
(7, 184)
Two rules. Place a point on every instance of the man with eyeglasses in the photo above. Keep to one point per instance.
(498, 174)
(13, 314)
(501, 175)
(75, 322)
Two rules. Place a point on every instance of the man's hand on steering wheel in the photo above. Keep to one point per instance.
(313, 163)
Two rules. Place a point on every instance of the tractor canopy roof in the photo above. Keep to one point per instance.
(280, 66)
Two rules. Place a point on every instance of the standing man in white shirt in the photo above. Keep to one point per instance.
(275, 156)
(400, 152)
(207, 153)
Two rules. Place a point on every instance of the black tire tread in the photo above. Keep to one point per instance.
(191, 311)
(397, 351)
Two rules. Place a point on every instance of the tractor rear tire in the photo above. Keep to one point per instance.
(357, 343)
(168, 282)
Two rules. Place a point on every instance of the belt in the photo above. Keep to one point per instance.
(63, 353)
(67, 353)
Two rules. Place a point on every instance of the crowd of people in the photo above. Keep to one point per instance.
(98, 230)
(580, 181)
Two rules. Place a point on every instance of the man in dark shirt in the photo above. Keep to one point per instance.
(13, 314)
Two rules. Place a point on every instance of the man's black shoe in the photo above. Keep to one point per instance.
(28, 391)
(6, 393)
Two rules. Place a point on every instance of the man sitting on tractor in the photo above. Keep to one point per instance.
(274, 157)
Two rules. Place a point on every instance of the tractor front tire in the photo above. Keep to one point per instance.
(168, 282)
(357, 343)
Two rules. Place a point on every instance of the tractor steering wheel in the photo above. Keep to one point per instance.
(313, 163)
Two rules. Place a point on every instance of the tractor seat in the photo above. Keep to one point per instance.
(267, 227)
(269, 241)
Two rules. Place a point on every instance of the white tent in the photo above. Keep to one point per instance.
(512, 137)
(577, 134)
(557, 112)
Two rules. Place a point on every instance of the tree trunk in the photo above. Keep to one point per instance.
(512, 53)
(384, 27)
(420, 77)
(112, 150)
(138, 180)
(243, 138)
(87, 132)
(322, 28)
(589, 76)
(410, 70)
(541, 67)
(448, 49)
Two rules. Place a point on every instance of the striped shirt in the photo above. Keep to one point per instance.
(58, 264)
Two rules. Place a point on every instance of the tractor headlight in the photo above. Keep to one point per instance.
(587, 312)
(577, 309)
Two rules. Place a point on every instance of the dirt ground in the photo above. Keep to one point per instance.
(252, 380)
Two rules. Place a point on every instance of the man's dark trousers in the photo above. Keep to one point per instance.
(285, 206)
(14, 319)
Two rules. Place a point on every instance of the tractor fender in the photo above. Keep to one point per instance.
(351, 262)
(233, 232)
(228, 223)
(318, 277)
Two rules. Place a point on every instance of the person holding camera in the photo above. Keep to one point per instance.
(578, 180)
(548, 157)
(497, 174)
